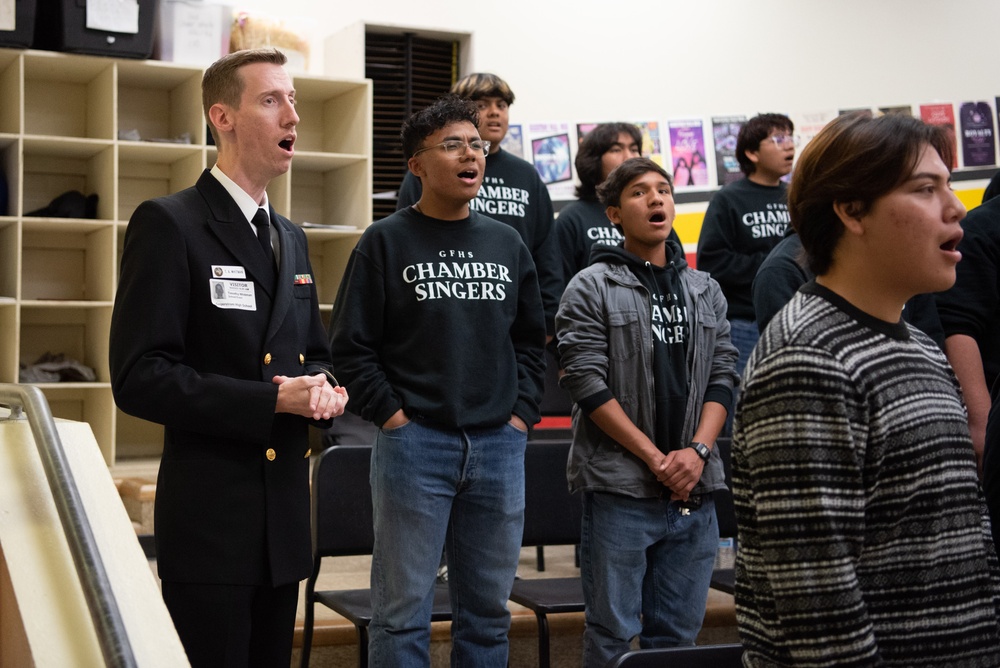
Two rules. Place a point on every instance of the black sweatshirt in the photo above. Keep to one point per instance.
(513, 193)
(972, 305)
(442, 319)
(744, 221)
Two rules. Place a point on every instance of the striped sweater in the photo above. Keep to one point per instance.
(863, 537)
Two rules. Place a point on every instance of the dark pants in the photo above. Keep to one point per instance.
(991, 464)
(744, 335)
(234, 626)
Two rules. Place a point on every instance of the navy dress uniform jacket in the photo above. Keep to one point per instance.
(232, 497)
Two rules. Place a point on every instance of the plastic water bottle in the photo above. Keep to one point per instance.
(726, 556)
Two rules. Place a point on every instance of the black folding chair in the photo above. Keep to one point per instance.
(698, 656)
(342, 526)
(551, 517)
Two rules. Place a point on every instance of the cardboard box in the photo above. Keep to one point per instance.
(192, 32)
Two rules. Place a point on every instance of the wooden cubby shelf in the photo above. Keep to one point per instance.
(127, 131)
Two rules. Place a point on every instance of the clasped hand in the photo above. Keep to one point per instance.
(679, 470)
(309, 396)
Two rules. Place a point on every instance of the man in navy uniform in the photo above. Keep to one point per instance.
(235, 375)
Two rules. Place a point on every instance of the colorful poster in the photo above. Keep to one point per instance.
(549, 146)
(687, 152)
(582, 129)
(652, 147)
(513, 142)
(903, 109)
(978, 144)
(725, 131)
(996, 106)
(551, 158)
(809, 123)
(866, 111)
(942, 114)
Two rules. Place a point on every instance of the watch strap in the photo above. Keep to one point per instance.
(703, 450)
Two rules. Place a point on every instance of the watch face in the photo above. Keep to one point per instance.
(702, 450)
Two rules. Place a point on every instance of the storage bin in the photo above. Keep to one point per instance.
(61, 25)
(23, 31)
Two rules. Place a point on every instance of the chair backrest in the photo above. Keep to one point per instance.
(342, 502)
(700, 656)
(551, 514)
(555, 400)
(725, 511)
(725, 446)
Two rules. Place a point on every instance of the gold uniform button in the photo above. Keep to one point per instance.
(302, 359)
(308, 453)
(267, 359)
(270, 454)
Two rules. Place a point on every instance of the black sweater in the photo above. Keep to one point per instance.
(513, 193)
(972, 305)
(744, 221)
(442, 319)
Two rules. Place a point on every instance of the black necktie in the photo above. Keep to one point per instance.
(260, 221)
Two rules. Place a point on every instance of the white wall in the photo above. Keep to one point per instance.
(606, 59)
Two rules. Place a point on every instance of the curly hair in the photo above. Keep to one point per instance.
(444, 111)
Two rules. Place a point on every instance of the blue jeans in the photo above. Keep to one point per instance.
(744, 335)
(646, 568)
(458, 489)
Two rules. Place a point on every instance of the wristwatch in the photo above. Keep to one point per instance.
(703, 450)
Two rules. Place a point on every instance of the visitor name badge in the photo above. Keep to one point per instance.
(228, 271)
(303, 279)
(238, 295)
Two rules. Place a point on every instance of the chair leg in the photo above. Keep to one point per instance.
(540, 557)
(307, 634)
(307, 627)
(543, 640)
(362, 646)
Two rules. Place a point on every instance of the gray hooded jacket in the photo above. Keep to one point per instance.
(604, 331)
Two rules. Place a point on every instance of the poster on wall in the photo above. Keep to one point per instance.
(996, 106)
(513, 141)
(943, 114)
(725, 131)
(865, 111)
(687, 153)
(551, 157)
(549, 145)
(582, 129)
(978, 143)
(650, 130)
(652, 145)
(808, 124)
(901, 109)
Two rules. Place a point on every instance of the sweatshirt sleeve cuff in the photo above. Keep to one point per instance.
(589, 404)
(523, 409)
(720, 394)
(380, 417)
